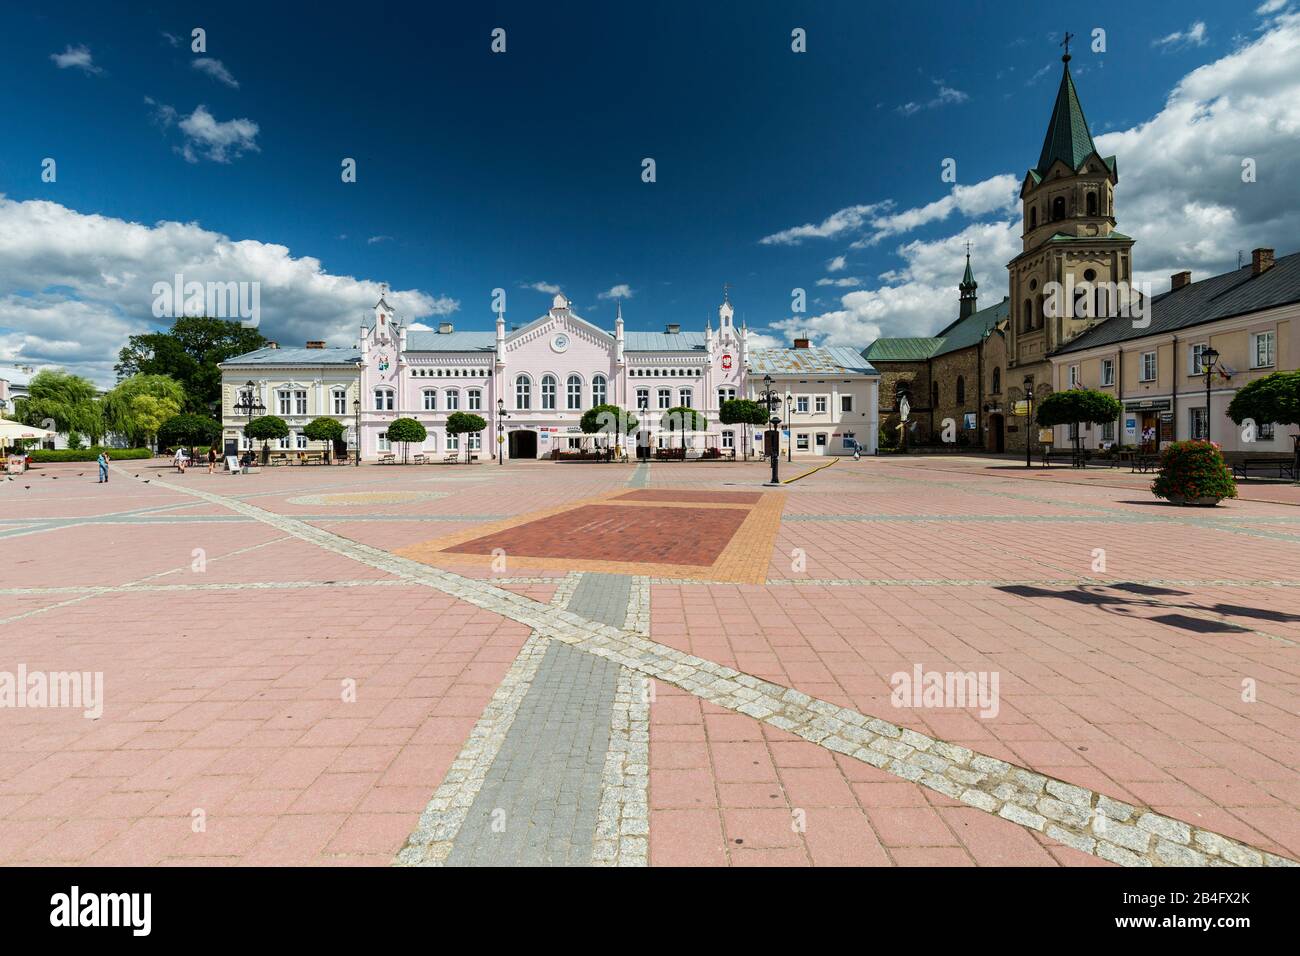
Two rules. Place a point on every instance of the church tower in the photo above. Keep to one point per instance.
(1075, 268)
(969, 288)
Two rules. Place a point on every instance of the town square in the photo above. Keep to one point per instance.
(498, 439)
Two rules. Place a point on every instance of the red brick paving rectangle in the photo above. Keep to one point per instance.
(691, 536)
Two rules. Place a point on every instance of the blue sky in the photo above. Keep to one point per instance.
(478, 171)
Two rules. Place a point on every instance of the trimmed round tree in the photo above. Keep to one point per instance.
(1273, 399)
(465, 423)
(265, 429)
(406, 431)
(324, 429)
(608, 420)
(683, 419)
(743, 411)
(189, 431)
(1076, 406)
(1193, 473)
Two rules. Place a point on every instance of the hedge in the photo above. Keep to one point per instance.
(85, 454)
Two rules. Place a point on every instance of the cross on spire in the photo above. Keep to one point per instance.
(1066, 43)
(726, 292)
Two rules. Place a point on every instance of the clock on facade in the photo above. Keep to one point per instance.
(560, 343)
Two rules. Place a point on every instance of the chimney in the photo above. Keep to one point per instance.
(673, 328)
(1261, 260)
(801, 343)
(272, 345)
(315, 344)
(1179, 279)
(445, 328)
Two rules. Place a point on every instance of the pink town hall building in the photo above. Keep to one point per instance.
(536, 381)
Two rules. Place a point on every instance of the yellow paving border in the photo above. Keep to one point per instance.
(744, 560)
(810, 472)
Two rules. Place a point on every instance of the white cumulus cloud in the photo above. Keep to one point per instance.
(76, 285)
(217, 70)
(76, 58)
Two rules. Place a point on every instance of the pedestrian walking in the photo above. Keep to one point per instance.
(180, 460)
(212, 459)
(103, 467)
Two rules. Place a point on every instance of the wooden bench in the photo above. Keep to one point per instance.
(389, 459)
(1075, 460)
(1285, 467)
(420, 459)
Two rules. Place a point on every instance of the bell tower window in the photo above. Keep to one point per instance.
(1058, 208)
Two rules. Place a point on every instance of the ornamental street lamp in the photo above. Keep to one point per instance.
(789, 424)
(772, 400)
(356, 411)
(1029, 421)
(502, 415)
(251, 406)
(1209, 358)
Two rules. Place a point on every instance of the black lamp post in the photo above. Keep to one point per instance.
(789, 423)
(1029, 421)
(250, 406)
(502, 415)
(356, 411)
(772, 400)
(1209, 358)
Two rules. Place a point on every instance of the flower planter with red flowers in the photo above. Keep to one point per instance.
(1193, 473)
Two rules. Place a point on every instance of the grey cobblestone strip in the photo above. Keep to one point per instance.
(623, 827)
(602, 597)
(432, 841)
(539, 800)
(640, 476)
(1091, 822)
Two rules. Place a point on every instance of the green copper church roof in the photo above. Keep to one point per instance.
(1067, 137)
(968, 280)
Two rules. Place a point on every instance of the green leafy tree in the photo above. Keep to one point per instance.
(406, 431)
(63, 402)
(324, 429)
(465, 423)
(265, 429)
(608, 420)
(138, 406)
(189, 431)
(189, 352)
(743, 411)
(1076, 406)
(1273, 399)
(683, 419)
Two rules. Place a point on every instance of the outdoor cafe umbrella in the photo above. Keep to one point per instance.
(11, 431)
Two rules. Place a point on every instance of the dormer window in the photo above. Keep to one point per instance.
(1092, 204)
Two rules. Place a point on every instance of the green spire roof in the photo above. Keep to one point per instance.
(1067, 137)
(968, 280)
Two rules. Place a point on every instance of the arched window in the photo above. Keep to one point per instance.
(997, 381)
(548, 391)
(685, 396)
(340, 397)
(1092, 204)
(453, 399)
(1058, 208)
(474, 400)
(725, 395)
(574, 393)
(1033, 217)
(599, 391)
(1027, 316)
(430, 400)
(383, 399)
(643, 398)
(523, 392)
(665, 398)
(961, 389)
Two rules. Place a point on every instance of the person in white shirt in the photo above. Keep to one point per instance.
(181, 460)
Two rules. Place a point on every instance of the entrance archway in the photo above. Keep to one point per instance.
(523, 443)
